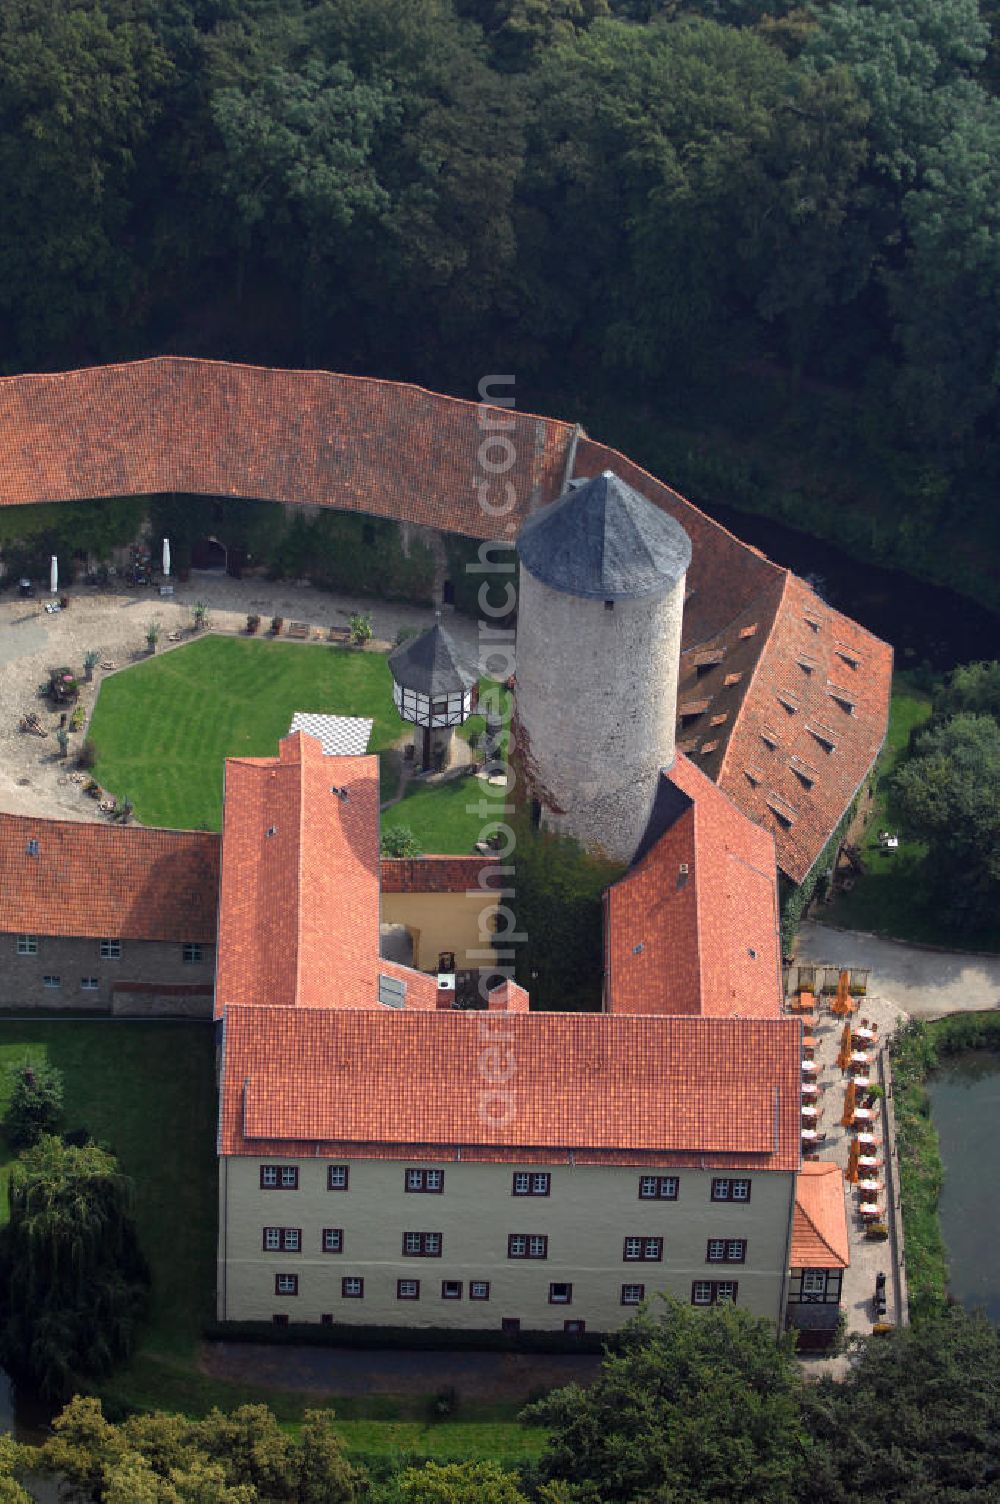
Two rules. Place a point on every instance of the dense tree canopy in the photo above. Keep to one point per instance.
(693, 1406)
(948, 794)
(762, 221)
(72, 1279)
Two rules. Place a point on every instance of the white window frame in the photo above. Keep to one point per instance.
(633, 1295)
(27, 945)
(52, 980)
(90, 984)
(111, 950)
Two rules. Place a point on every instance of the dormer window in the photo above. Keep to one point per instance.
(848, 655)
(746, 632)
(707, 747)
(842, 698)
(788, 701)
(769, 738)
(732, 679)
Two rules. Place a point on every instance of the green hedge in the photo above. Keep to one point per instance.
(795, 899)
(309, 1334)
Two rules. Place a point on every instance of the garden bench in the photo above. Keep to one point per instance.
(300, 629)
(338, 634)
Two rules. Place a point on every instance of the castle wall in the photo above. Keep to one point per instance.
(596, 707)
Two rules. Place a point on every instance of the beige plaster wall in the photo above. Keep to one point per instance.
(443, 921)
(590, 1211)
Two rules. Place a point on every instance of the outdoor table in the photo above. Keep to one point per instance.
(810, 1068)
(867, 1161)
(808, 1043)
(868, 1140)
(867, 1036)
(809, 1135)
(864, 1186)
(862, 1082)
(869, 1209)
(810, 1112)
(810, 1089)
(859, 1057)
(865, 1114)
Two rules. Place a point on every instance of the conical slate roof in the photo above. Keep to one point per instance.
(431, 664)
(604, 541)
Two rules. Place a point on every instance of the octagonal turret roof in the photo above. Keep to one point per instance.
(431, 664)
(605, 541)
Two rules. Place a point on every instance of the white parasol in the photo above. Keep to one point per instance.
(166, 556)
(54, 574)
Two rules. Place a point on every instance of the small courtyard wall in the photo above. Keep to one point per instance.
(443, 922)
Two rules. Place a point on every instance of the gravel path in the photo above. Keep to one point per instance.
(33, 779)
(922, 983)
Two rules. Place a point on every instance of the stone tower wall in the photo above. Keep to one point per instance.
(596, 709)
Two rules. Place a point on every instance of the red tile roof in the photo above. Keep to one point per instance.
(587, 1083)
(693, 928)
(298, 909)
(856, 737)
(120, 882)
(819, 1223)
(440, 874)
(394, 450)
(299, 895)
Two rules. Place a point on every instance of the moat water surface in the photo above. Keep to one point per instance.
(965, 1106)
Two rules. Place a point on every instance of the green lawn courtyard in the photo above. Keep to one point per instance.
(163, 728)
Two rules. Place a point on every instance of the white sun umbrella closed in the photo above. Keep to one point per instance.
(166, 556)
(53, 574)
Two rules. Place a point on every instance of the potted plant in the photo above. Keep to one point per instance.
(62, 737)
(199, 611)
(361, 628)
(253, 623)
(152, 635)
(277, 622)
(90, 662)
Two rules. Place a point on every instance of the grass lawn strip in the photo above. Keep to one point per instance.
(163, 728)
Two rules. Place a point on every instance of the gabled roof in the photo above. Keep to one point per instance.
(299, 897)
(432, 664)
(122, 882)
(713, 1089)
(824, 714)
(693, 928)
(604, 541)
(819, 1224)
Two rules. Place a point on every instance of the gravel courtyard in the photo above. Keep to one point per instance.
(34, 780)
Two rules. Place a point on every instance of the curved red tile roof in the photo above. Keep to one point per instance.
(394, 450)
(121, 882)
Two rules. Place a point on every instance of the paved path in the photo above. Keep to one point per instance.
(492, 1377)
(924, 983)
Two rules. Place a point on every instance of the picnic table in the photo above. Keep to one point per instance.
(299, 629)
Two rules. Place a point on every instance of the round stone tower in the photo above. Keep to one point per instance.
(598, 656)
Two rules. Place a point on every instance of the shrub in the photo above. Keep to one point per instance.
(90, 661)
(399, 841)
(36, 1103)
(277, 622)
(152, 634)
(199, 613)
(361, 628)
(77, 719)
(253, 623)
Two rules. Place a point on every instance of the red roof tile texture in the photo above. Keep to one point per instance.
(440, 874)
(693, 928)
(617, 1087)
(122, 883)
(804, 733)
(210, 428)
(394, 450)
(819, 1223)
(298, 907)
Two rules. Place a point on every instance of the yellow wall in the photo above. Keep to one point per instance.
(443, 921)
(590, 1211)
